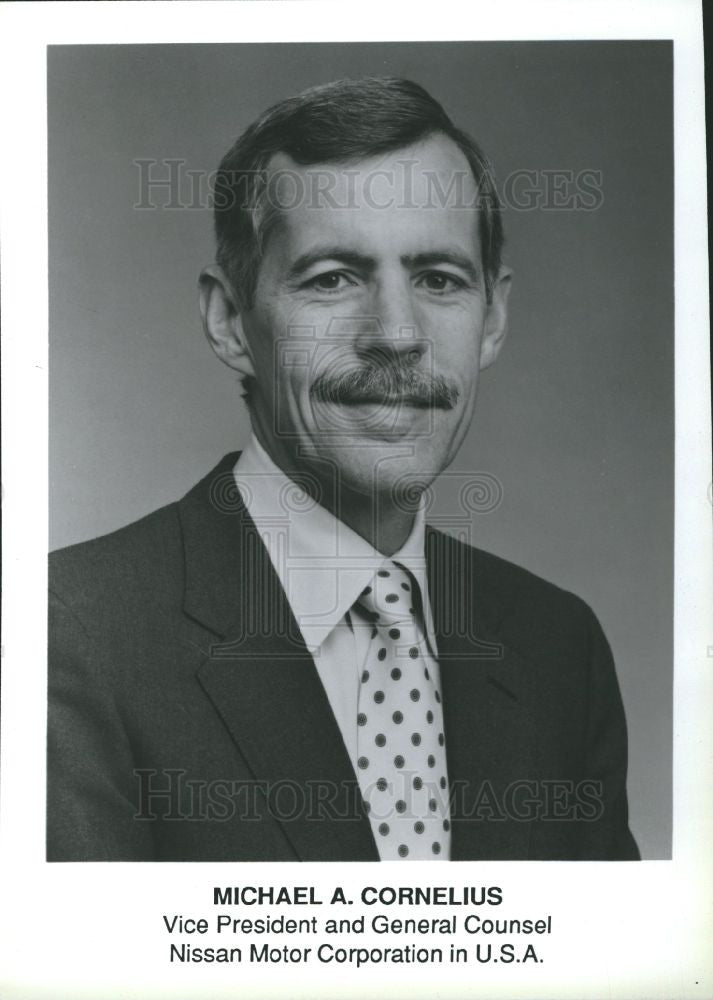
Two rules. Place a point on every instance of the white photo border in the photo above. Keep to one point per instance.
(94, 930)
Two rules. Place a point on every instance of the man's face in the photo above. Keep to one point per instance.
(370, 323)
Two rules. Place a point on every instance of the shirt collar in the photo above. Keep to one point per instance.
(322, 564)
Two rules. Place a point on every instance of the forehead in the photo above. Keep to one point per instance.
(407, 199)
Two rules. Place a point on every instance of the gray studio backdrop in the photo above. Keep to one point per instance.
(575, 422)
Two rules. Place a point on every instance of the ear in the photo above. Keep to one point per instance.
(496, 319)
(222, 323)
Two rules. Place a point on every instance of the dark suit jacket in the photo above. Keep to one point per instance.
(187, 720)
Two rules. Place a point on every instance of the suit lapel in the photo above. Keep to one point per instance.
(486, 702)
(264, 685)
(262, 681)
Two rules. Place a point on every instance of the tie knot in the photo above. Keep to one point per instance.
(390, 596)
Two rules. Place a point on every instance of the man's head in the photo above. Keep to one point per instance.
(359, 287)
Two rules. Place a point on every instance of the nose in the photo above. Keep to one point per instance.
(392, 335)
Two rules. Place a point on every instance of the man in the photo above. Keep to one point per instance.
(287, 664)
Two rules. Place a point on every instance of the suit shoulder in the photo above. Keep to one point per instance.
(143, 553)
(138, 570)
(510, 591)
(517, 579)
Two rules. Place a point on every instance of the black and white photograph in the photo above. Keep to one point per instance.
(356, 502)
(227, 678)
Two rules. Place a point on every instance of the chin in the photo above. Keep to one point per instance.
(402, 470)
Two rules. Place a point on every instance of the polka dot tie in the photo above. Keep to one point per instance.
(401, 757)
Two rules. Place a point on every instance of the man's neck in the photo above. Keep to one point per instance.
(375, 517)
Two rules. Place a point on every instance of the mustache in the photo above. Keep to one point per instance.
(387, 384)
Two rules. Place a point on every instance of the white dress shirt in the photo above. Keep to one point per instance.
(323, 566)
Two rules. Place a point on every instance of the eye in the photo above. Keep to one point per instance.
(440, 282)
(329, 281)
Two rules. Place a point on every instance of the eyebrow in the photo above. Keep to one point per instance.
(430, 258)
(305, 261)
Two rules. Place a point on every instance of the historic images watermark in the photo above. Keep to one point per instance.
(169, 184)
(171, 795)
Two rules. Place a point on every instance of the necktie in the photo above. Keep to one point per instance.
(401, 757)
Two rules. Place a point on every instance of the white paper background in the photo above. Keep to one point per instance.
(95, 931)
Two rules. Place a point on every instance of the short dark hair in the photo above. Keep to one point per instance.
(337, 122)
